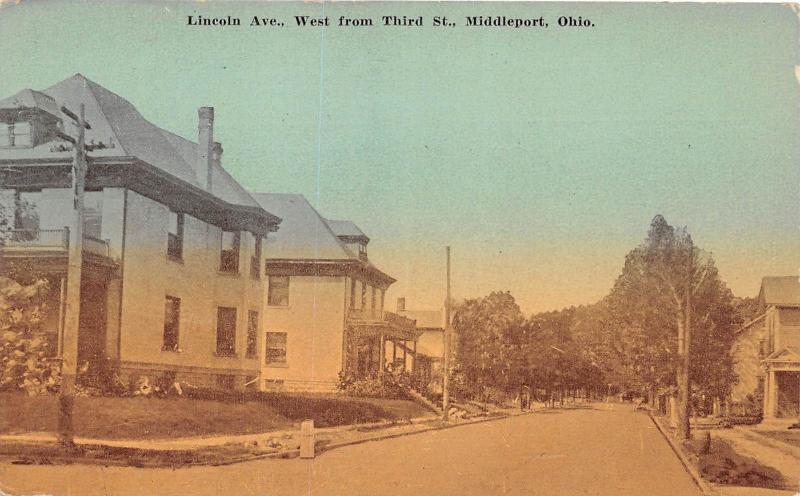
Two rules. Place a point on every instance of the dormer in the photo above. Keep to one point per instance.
(28, 119)
(352, 237)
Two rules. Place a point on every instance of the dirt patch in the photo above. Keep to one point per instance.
(721, 464)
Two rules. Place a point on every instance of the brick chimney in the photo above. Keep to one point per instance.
(205, 147)
(401, 305)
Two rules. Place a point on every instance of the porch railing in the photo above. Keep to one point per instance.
(372, 315)
(50, 240)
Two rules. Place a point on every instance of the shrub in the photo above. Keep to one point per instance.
(391, 386)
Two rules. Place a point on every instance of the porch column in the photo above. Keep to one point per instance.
(770, 394)
(414, 359)
(394, 352)
(405, 348)
(382, 353)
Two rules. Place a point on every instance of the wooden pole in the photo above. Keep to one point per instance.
(69, 351)
(446, 372)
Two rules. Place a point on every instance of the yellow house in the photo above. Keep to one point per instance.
(767, 350)
(324, 305)
(172, 280)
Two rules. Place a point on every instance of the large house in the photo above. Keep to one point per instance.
(172, 281)
(325, 302)
(767, 351)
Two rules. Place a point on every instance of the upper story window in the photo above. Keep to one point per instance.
(374, 297)
(352, 293)
(229, 254)
(278, 291)
(175, 236)
(18, 135)
(362, 251)
(255, 262)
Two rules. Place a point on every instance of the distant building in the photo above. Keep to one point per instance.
(324, 302)
(428, 360)
(172, 265)
(767, 350)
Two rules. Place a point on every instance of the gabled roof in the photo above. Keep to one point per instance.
(787, 354)
(346, 229)
(304, 234)
(784, 291)
(115, 121)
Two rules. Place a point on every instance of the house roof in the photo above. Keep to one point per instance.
(116, 122)
(31, 99)
(784, 290)
(346, 229)
(428, 319)
(304, 234)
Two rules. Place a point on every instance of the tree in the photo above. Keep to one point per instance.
(669, 287)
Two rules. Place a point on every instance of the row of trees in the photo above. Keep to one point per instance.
(664, 330)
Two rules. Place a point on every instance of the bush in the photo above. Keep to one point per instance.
(25, 351)
(391, 386)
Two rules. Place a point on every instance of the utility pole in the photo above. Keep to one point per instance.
(446, 380)
(69, 350)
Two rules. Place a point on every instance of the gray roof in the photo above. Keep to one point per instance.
(346, 228)
(303, 234)
(783, 290)
(115, 120)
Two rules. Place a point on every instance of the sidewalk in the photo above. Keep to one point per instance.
(275, 443)
(780, 456)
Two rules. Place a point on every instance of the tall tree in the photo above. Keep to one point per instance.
(666, 283)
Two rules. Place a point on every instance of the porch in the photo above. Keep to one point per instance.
(43, 254)
(377, 342)
(782, 385)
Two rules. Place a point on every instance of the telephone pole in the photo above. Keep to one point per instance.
(69, 349)
(446, 380)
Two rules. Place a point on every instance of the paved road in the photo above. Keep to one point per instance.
(600, 451)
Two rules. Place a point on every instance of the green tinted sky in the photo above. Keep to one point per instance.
(539, 155)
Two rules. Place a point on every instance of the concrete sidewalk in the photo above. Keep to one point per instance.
(784, 458)
(284, 440)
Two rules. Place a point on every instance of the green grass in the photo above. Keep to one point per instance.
(153, 418)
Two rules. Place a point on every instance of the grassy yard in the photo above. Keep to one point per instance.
(721, 464)
(152, 418)
(791, 437)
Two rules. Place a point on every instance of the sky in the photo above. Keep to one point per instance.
(540, 156)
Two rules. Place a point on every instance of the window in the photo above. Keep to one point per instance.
(172, 314)
(255, 262)
(278, 291)
(16, 135)
(226, 331)
(362, 251)
(276, 348)
(175, 236)
(352, 293)
(252, 333)
(26, 215)
(363, 296)
(229, 255)
(374, 297)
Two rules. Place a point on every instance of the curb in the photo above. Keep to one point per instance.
(704, 486)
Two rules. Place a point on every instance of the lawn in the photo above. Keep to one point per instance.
(721, 464)
(153, 418)
(791, 437)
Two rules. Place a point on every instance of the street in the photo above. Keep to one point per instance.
(605, 450)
